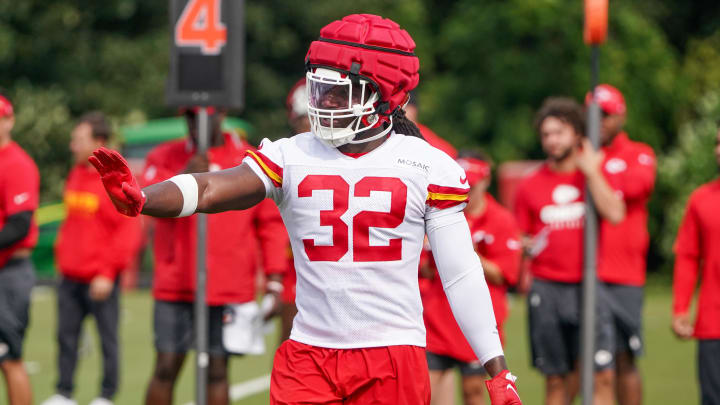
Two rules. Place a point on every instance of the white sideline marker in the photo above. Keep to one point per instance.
(247, 388)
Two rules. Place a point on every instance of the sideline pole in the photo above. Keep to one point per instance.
(595, 33)
(201, 310)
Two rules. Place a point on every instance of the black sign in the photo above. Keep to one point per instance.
(206, 53)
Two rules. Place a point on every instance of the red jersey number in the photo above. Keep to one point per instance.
(341, 192)
(200, 25)
(362, 221)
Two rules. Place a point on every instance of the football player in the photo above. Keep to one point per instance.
(697, 258)
(629, 167)
(496, 238)
(234, 239)
(19, 196)
(358, 194)
(89, 270)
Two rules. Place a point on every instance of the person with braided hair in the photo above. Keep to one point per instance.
(357, 198)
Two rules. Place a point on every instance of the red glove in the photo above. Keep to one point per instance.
(119, 182)
(502, 389)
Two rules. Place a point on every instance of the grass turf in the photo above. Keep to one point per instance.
(668, 366)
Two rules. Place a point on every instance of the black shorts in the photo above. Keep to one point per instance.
(626, 305)
(175, 329)
(554, 315)
(709, 371)
(438, 362)
(17, 279)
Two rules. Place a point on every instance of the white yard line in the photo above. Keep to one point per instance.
(247, 388)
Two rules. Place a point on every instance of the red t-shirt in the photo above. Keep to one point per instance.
(550, 207)
(19, 191)
(496, 238)
(94, 239)
(698, 254)
(436, 142)
(629, 167)
(234, 237)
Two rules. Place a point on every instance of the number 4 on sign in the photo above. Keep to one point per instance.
(200, 25)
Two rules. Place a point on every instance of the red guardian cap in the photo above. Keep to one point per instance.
(370, 61)
(609, 98)
(475, 169)
(296, 101)
(6, 108)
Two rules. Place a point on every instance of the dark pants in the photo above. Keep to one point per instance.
(709, 371)
(74, 304)
(17, 278)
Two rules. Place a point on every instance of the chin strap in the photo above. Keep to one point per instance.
(374, 137)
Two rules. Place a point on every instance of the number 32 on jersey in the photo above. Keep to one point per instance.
(362, 221)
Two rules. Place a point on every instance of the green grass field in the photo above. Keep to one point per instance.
(668, 367)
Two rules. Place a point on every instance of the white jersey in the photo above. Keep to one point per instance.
(356, 227)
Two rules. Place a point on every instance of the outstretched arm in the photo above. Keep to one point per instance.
(231, 189)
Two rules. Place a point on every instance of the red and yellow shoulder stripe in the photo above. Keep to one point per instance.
(273, 171)
(446, 197)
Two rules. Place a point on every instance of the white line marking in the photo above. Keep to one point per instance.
(247, 388)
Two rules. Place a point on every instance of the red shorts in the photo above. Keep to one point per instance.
(304, 374)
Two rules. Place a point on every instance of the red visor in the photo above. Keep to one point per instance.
(475, 169)
(609, 98)
(6, 109)
(296, 101)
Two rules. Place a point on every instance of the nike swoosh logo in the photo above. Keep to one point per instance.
(511, 388)
(463, 180)
(21, 198)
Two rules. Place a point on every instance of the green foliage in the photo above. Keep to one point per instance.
(690, 162)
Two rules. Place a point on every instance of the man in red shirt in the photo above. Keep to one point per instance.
(697, 255)
(550, 210)
(234, 239)
(630, 169)
(496, 238)
(19, 195)
(89, 268)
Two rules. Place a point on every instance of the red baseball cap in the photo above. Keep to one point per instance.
(609, 98)
(6, 108)
(475, 169)
(296, 101)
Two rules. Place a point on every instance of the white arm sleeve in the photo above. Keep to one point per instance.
(189, 188)
(464, 282)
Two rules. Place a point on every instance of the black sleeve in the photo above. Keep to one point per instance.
(15, 229)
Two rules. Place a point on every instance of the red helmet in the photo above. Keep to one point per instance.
(609, 98)
(373, 59)
(6, 108)
(475, 169)
(296, 101)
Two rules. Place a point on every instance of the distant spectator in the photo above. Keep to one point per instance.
(233, 241)
(19, 195)
(95, 244)
(697, 256)
(412, 111)
(629, 167)
(550, 211)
